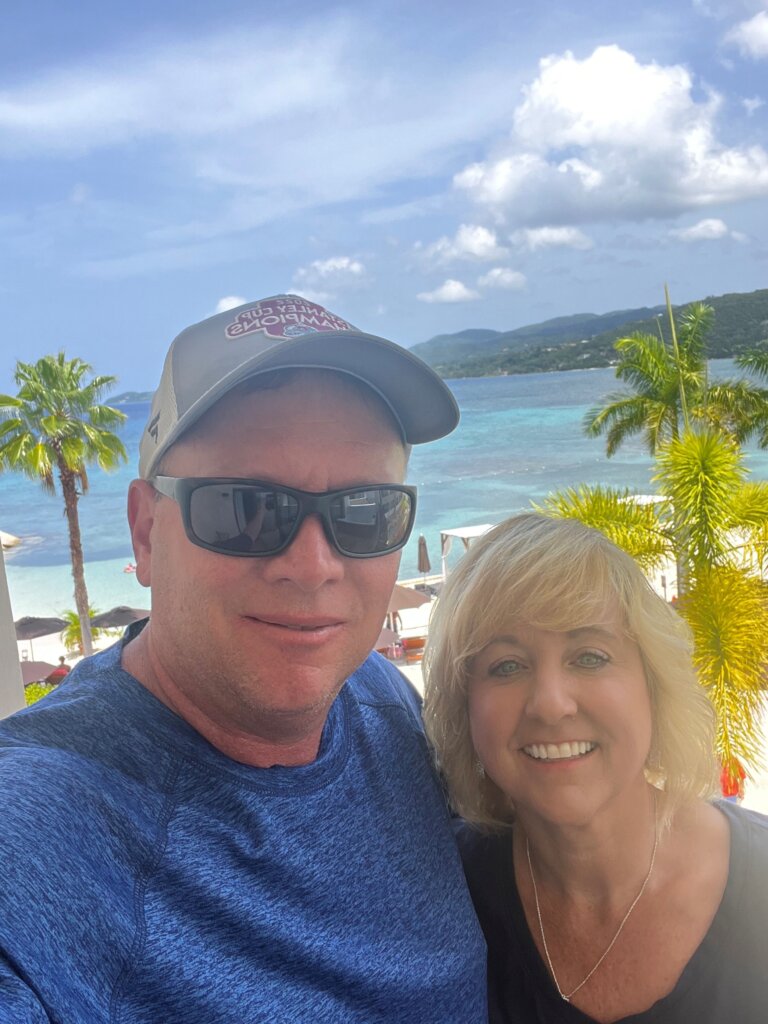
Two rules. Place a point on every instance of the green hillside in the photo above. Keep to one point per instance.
(741, 322)
(126, 397)
(472, 343)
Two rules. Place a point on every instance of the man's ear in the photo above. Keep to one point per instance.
(142, 502)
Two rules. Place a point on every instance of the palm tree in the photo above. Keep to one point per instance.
(754, 420)
(669, 384)
(72, 634)
(55, 424)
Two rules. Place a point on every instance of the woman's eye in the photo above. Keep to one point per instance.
(592, 659)
(505, 667)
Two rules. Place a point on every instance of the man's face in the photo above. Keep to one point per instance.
(253, 640)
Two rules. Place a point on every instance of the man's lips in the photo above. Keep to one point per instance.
(296, 624)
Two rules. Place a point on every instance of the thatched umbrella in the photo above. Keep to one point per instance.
(118, 617)
(30, 627)
(424, 564)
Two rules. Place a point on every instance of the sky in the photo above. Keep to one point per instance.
(417, 167)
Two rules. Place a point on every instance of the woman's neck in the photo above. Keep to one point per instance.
(597, 862)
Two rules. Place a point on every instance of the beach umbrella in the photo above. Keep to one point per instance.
(35, 671)
(424, 563)
(30, 627)
(118, 617)
(8, 540)
(406, 597)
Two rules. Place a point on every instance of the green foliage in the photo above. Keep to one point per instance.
(72, 634)
(35, 691)
(700, 474)
(636, 527)
(669, 387)
(727, 612)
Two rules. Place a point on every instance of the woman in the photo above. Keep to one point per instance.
(565, 712)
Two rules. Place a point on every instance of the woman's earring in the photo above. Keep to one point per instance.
(479, 770)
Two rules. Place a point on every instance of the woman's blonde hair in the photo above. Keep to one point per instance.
(559, 574)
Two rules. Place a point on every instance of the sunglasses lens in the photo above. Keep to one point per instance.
(244, 518)
(371, 521)
(254, 520)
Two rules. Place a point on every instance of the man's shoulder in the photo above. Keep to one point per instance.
(378, 683)
(70, 746)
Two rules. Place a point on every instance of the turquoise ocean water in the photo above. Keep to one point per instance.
(520, 438)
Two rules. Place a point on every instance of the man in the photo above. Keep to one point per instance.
(232, 816)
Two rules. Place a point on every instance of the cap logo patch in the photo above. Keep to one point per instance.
(286, 317)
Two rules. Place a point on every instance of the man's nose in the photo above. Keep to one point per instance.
(309, 561)
(552, 696)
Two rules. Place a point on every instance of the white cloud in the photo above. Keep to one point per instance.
(334, 266)
(503, 277)
(229, 302)
(471, 242)
(708, 230)
(321, 280)
(608, 137)
(552, 237)
(449, 291)
(751, 37)
(751, 104)
(499, 180)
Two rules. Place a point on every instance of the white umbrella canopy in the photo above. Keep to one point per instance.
(8, 540)
(406, 597)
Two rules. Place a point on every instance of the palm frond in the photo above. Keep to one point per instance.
(632, 525)
(727, 612)
(699, 473)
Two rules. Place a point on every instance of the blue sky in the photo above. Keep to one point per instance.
(417, 167)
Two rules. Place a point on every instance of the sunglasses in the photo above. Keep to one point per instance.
(252, 519)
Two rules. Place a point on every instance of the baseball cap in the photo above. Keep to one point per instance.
(210, 358)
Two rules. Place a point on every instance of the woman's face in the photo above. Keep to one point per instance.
(561, 720)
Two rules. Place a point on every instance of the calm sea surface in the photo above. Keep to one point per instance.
(520, 438)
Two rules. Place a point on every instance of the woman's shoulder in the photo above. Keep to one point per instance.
(747, 826)
(480, 847)
(488, 862)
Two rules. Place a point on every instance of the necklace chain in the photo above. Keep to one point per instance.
(569, 995)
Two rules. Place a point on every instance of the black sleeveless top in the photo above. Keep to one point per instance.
(725, 981)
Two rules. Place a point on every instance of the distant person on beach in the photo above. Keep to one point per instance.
(60, 672)
(232, 814)
(578, 745)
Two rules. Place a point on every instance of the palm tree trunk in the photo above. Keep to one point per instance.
(69, 489)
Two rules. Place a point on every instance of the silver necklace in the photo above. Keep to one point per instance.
(567, 996)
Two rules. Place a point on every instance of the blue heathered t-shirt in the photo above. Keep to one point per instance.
(145, 877)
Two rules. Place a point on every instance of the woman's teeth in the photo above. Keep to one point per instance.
(558, 751)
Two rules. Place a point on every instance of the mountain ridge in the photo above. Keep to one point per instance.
(585, 340)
